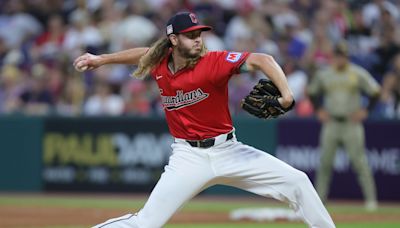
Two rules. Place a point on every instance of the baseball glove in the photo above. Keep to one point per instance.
(262, 101)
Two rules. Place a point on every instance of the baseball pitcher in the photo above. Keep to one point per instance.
(193, 87)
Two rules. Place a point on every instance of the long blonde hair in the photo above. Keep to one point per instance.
(157, 53)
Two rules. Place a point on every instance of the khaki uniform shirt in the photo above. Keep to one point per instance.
(342, 89)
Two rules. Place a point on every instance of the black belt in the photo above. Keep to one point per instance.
(340, 118)
(206, 143)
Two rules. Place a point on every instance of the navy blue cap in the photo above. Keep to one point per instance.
(184, 22)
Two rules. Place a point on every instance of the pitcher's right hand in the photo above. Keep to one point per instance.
(87, 61)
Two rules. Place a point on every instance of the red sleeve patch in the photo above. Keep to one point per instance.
(233, 57)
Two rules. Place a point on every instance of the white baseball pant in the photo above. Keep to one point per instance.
(190, 170)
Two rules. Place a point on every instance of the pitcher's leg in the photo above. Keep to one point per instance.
(328, 146)
(354, 142)
(125, 221)
(258, 172)
(186, 174)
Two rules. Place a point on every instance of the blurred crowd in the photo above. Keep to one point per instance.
(39, 39)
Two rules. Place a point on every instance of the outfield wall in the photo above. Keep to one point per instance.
(128, 154)
(21, 153)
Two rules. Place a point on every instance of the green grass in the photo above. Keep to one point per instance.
(71, 202)
(197, 205)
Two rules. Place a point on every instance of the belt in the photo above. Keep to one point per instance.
(340, 118)
(206, 143)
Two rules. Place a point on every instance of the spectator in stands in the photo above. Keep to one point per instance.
(103, 101)
(37, 98)
(284, 17)
(72, 96)
(297, 79)
(81, 34)
(17, 26)
(372, 11)
(137, 100)
(388, 48)
(3, 51)
(319, 54)
(11, 87)
(110, 15)
(50, 42)
(361, 41)
(132, 31)
(390, 95)
(305, 30)
(241, 26)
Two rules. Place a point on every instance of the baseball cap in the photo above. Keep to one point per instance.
(184, 22)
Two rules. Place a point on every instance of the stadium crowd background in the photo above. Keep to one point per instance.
(39, 40)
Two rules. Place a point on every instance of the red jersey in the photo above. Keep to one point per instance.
(195, 100)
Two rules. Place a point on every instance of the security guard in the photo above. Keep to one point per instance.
(336, 93)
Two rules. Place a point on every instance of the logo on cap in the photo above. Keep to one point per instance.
(184, 22)
(170, 29)
(193, 18)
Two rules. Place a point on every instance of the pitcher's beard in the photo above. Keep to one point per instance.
(185, 52)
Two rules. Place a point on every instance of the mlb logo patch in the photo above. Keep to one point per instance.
(170, 29)
(233, 57)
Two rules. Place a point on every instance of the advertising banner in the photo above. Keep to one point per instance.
(109, 154)
(298, 145)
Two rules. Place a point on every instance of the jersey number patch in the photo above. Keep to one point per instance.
(233, 57)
